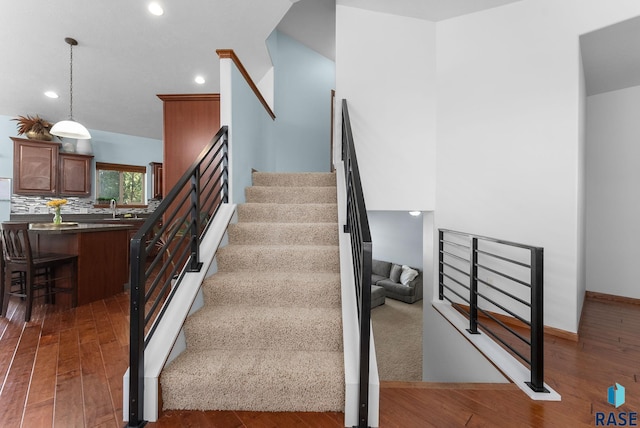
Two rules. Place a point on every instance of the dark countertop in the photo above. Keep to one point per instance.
(69, 227)
(77, 218)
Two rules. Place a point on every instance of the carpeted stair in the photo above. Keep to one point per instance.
(269, 337)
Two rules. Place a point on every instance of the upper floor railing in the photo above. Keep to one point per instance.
(358, 228)
(167, 246)
(500, 281)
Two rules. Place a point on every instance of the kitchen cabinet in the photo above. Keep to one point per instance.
(74, 174)
(156, 176)
(40, 169)
(190, 122)
(35, 167)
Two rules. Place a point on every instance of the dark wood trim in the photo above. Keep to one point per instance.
(513, 322)
(121, 167)
(189, 97)
(229, 53)
(611, 298)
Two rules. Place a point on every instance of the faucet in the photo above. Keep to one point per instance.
(113, 208)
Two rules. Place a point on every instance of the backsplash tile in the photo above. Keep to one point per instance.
(38, 205)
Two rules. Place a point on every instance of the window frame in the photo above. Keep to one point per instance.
(106, 166)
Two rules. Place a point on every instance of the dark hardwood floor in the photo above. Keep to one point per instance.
(65, 369)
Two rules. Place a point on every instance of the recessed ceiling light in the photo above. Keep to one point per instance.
(155, 9)
(199, 80)
(414, 213)
(51, 94)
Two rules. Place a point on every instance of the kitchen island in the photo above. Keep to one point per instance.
(103, 253)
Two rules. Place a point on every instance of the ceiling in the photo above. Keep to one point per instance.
(126, 56)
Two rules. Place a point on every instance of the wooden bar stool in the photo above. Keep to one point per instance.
(26, 272)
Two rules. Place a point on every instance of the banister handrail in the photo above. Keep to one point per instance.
(167, 246)
(501, 290)
(229, 53)
(358, 228)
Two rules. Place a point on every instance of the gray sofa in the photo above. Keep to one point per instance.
(387, 275)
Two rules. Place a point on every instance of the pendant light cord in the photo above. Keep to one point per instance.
(71, 82)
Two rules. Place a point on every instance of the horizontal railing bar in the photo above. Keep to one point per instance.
(506, 259)
(184, 255)
(454, 292)
(487, 239)
(504, 275)
(163, 309)
(513, 314)
(454, 268)
(466, 287)
(506, 327)
(455, 244)
(506, 293)
(446, 253)
(171, 257)
(498, 338)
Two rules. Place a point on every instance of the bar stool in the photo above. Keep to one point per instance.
(26, 272)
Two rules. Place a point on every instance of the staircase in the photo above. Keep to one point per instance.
(269, 337)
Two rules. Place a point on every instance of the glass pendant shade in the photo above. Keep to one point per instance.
(70, 129)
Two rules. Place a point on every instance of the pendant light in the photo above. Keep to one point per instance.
(70, 128)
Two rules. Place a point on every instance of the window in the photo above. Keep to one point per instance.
(124, 183)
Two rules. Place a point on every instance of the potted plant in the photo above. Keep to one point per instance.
(34, 127)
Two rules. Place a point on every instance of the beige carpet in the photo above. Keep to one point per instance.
(269, 337)
(397, 332)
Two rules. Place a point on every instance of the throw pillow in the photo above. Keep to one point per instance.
(407, 275)
(396, 271)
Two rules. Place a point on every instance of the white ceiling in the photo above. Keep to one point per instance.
(126, 56)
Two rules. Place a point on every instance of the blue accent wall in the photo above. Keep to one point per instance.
(251, 132)
(298, 140)
(303, 80)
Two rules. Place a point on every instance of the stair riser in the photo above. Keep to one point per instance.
(294, 180)
(287, 259)
(283, 234)
(283, 213)
(291, 195)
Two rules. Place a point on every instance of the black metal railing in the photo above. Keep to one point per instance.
(503, 282)
(167, 246)
(358, 228)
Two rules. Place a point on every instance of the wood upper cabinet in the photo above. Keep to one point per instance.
(40, 169)
(74, 174)
(190, 122)
(35, 167)
(156, 175)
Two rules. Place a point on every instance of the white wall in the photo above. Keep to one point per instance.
(397, 237)
(385, 68)
(613, 202)
(508, 131)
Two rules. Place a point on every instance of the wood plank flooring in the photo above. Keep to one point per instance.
(64, 369)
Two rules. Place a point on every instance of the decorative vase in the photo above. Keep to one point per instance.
(57, 218)
(44, 136)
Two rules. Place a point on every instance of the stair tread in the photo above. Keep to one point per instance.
(294, 179)
(279, 289)
(255, 233)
